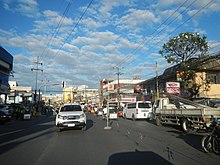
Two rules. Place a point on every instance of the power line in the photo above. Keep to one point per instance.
(179, 26)
(68, 36)
(140, 46)
(56, 30)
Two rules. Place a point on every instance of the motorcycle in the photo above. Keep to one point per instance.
(211, 142)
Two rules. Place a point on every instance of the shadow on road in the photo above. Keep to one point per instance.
(192, 139)
(89, 124)
(22, 131)
(137, 157)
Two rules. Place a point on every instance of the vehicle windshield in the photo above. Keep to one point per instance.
(144, 105)
(68, 108)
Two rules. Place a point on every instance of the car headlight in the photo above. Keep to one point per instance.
(83, 115)
(64, 117)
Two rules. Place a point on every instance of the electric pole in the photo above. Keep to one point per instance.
(157, 84)
(118, 73)
(36, 69)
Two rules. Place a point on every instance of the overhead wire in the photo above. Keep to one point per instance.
(68, 36)
(180, 25)
(57, 29)
(140, 46)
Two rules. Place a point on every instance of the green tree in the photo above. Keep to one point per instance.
(181, 50)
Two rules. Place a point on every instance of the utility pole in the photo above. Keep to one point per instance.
(118, 87)
(36, 69)
(157, 84)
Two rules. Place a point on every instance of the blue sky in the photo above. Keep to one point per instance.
(80, 41)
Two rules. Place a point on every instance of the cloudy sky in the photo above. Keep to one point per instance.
(81, 41)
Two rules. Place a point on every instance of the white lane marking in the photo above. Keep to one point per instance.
(7, 133)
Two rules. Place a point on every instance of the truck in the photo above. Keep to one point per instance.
(189, 115)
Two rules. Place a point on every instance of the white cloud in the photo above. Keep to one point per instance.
(28, 8)
(136, 18)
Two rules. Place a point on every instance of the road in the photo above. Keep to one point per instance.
(36, 142)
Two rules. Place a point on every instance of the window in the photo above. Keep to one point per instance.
(132, 105)
(71, 108)
(213, 78)
(144, 105)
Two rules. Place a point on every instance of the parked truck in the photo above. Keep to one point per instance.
(171, 109)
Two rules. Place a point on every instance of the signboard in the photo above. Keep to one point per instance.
(173, 87)
(137, 89)
(111, 87)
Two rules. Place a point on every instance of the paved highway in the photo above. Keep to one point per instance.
(36, 142)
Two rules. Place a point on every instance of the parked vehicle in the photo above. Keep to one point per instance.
(5, 114)
(138, 110)
(120, 113)
(70, 116)
(211, 142)
(113, 113)
(171, 109)
(27, 114)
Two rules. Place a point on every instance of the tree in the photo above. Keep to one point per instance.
(183, 49)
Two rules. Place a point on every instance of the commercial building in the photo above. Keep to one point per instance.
(126, 92)
(209, 71)
(6, 67)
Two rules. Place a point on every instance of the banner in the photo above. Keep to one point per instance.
(173, 87)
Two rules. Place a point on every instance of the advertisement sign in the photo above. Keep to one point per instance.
(173, 87)
(111, 87)
(137, 89)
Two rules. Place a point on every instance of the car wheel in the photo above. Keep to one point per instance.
(185, 126)
(59, 129)
(84, 128)
(207, 144)
(157, 121)
(133, 118)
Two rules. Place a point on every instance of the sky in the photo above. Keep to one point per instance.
(82, 42)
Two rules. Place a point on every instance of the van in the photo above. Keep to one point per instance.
(138, 110)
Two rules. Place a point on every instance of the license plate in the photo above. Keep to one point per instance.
(71, 125)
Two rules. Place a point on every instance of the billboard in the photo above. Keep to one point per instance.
(173, 87)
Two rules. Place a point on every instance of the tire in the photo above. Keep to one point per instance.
(133, 118)
(207, 143)
(215, 145)
(157, 121)
(84, 128)
(185, 126)
(124, 116)
(58, 129)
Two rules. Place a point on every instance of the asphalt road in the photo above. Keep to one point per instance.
(36, 142)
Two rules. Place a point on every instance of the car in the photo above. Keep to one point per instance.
(99, 113)
(5, 113)
(112, 113)
(70, 115)
(120, 113)
(27, 114)
(138, 110)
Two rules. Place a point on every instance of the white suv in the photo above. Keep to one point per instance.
(69, 116)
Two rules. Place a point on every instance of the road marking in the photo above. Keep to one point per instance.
(7, 133)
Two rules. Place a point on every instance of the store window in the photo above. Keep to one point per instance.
(213, 78)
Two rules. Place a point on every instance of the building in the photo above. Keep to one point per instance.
(209, 70)
(6, 67)
(20, 94)
(127, 91)
(81, 94)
